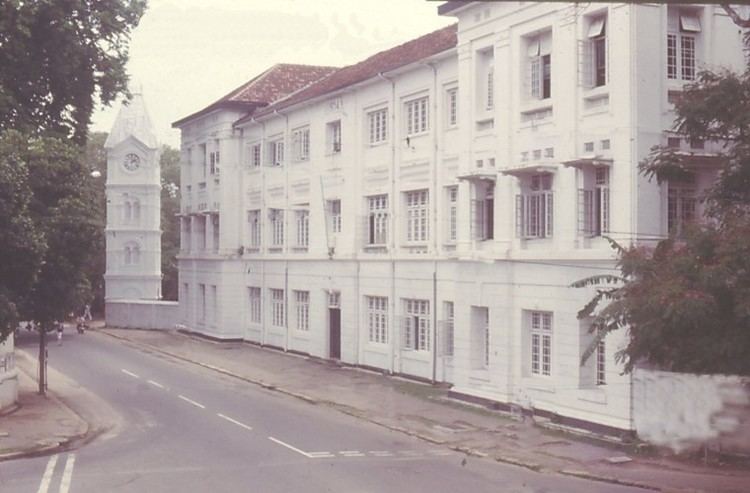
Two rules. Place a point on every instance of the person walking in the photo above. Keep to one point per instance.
(59, 333)
(87, 313)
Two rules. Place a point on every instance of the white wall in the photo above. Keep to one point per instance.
(142, 314)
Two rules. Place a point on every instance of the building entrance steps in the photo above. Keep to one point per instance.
(425, 411)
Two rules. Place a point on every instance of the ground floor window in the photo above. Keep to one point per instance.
(278, 315)
(302, 308)
(540, 326)
(448, 315)
(377, 318)
(416, 329)
(255, 304)
(480, 337)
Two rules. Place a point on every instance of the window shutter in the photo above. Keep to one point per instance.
(550, 214)
(407, 332)
(605, 209)
(535, 77)
(606, 59)
(581, 211)
(587, 65)
(519, 216)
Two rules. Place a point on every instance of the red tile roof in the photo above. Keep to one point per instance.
(273, 84)
(385, 61)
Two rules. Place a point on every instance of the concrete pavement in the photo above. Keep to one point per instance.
(424, 411)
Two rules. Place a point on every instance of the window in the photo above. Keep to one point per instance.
(334, 136)
(684, 29)
(682, 205)
(377, 319)
(416, 328)
(417, 203)
(200, 231)
(334, 215)
(214, 159)
(301, 144)
(201, 302)
(448, 316)
(534, 207)
(255, 155)
(485, 80)
(213, 316)
(276, 152)
(303, 228)
(539, 66)
(254, 301)
(417, 118)
(490, 95)
(278, 317)
(203, 158)
(302, 308)
(541, 342)
(480, 337)
(254, 226)
(483, 212)
(452, 106)
(377, 121)
(377, 220)
(132, 254)
(276, 219)
(216, 232)
(601, 362)
(595, 53)
(593, 203)
(452, 204)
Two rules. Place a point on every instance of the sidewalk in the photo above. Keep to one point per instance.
(425, 411)
(39, 425)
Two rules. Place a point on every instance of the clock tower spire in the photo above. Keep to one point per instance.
(133, 232)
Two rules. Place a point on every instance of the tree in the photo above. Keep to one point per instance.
(686, 301)
(57, 57)
(170, 206)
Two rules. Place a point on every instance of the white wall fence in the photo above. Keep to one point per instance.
(8, 374)
(688, 412)
(142, 314)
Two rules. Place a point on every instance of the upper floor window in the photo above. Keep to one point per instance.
(452, 206)
(255, 155)
(539, 66)
(215, 159)
(333, 132)
(417, 215)
(215, 225)
(301, 144)
(334, 215)
(417, 118)
(303, 228)
(595, 53)
(254, 226)
(485, 77)
(276, 220)
(378, 124)
(132, 254)
(490, 94)
(682, 205)
(483, 211)
(593, 203)
(203, 158)
(451, 103)
(377, 220)
(534, 207)
(682, 37)
(275, 152)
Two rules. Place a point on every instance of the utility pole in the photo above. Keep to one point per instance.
(42, 360)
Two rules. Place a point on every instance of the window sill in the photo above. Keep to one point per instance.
(275, 249)
(299, 249)
(596, 92)
(534, 105)
(418, 135)
(375, 248)
(377, 144)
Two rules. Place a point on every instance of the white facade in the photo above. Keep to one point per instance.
(429, 219)
(133, 233)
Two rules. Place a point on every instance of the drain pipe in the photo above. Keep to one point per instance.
(434, 212)
(285, 249)
(391, 240)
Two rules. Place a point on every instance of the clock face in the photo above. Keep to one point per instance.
(131, 162)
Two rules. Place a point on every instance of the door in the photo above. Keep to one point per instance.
(334, 328)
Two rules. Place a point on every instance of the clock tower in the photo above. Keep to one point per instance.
(133, 232)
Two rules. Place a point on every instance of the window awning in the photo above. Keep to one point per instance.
(596, 28)
(527, 169)
(700, 159)
(689, 22)
(479, 174)
(596, 161)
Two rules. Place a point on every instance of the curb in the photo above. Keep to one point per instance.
(533, 466)
(607, 479)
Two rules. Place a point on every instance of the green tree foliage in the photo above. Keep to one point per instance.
(56, 56)
(170, 206)
(686, 302)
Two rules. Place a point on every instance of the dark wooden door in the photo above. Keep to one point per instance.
(334, 327)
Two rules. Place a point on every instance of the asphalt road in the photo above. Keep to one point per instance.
(188, 429)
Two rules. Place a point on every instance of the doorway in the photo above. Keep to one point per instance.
(334, 325)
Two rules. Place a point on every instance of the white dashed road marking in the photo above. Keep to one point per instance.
(243, 425)
(47, 476)
(156, 384)
(67, 474)
(320, 455)
(191, 401)
(381, 453)
(351, 453)
(126, 372)
(290, 447)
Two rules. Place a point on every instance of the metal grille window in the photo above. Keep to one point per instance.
(254, 227)
(681, 208)
(416, 328)
(302, 307)
(601, 363)
(276, 220)
(452, 104)
(593, 205)
(541, 343)
(452, 193)
(303, 228)
(490, 88)
(534, 208)
(417, 211)
(377, 232)
(417, 119)
(378, 125)
(301, 143)
(448, 339)
(254, 302)
(377, 318)
(334, 215)
(278, 316)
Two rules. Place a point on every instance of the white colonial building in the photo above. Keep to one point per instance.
(425, 211)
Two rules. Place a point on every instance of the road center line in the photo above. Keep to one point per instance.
(191, 401)
(156, 384)
(243, 425)
(67, 474)
(126, 372)
(47, 476)
(290, 447)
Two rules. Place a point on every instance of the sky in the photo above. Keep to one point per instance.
(186, 54)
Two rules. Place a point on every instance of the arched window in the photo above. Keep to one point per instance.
(136, 210)
(128, 256)
(136, 255)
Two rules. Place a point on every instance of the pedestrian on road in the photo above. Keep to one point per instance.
(87, 313)
(59, 333)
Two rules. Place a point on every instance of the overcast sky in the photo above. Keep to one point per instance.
(188, 53)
